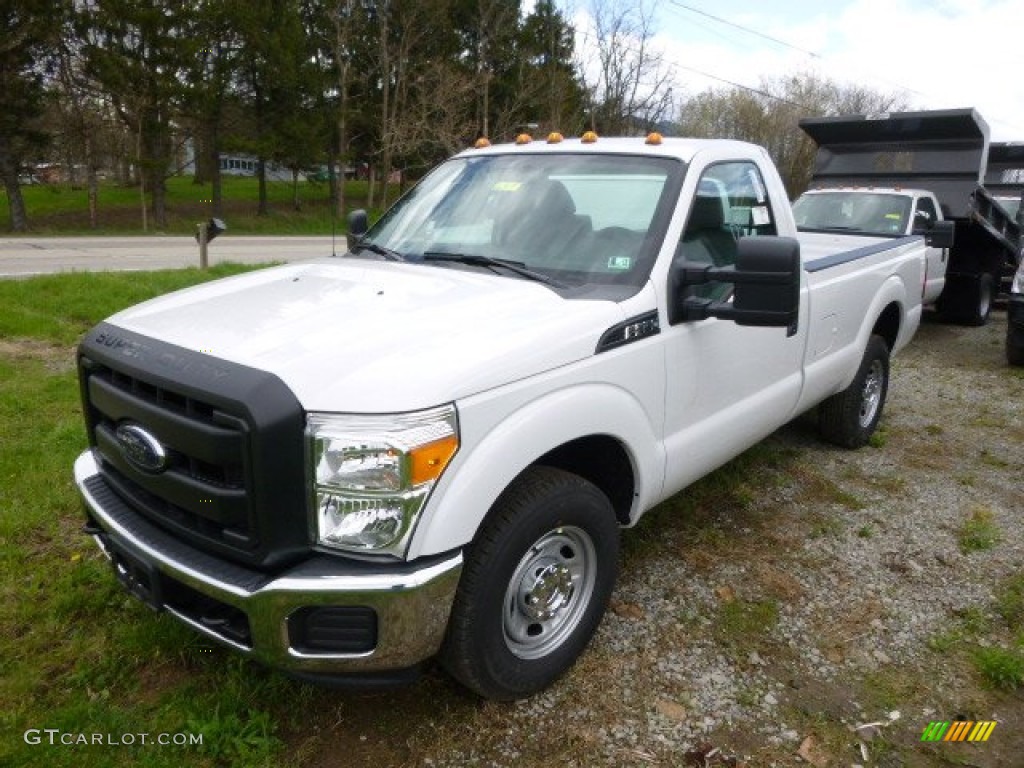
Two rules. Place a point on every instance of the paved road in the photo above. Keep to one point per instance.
(25, 256)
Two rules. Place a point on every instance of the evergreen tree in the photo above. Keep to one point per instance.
(27, 49)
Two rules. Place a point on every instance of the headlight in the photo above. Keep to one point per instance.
(371, 475)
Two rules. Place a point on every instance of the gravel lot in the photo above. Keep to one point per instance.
(765, 614)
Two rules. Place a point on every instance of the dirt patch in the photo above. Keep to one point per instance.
(56, 359)
(857, 555)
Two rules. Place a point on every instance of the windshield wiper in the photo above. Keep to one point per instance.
(380, 250)
(830, 228)
(477, 260)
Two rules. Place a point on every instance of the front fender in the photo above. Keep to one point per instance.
(484, 468)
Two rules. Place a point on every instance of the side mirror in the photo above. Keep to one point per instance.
(358, 224)
(941, 234)
(767, 279)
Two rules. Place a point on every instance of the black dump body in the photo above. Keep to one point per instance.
(941, 151)
(1004, 176)
(944, 151)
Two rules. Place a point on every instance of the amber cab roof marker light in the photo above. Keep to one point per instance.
(588, 137)
(524, 138)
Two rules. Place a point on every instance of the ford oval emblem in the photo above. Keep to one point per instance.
(141, 449)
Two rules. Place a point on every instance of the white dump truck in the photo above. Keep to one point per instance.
(946, 154)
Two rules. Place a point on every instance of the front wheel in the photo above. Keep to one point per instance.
(850, 417)
(534, 586)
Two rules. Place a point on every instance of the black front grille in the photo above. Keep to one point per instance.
(231, 480)
(203, 490)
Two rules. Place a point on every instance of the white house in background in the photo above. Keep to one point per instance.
(236, 164)
(246, 165)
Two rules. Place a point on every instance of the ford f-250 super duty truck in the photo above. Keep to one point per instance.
(428, 446)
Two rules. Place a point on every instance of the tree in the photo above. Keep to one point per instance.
(632, 86)
(27, 49)
(139, 50)
(548, 85)
(278, 84)
(769, 115)
(344, 49)
(210, 77)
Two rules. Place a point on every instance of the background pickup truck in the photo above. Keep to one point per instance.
(948, 153)
(875, 213)
(428, 446)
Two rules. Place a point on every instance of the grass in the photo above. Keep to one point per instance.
(978, 532)
(994, 649)
(63, 209)
(1000, 667)
(78, 654)
(745, 625)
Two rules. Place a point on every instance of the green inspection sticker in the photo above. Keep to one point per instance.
(620, 262)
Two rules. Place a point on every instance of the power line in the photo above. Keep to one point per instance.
(748, 30)
(777, 41)
(677, 65)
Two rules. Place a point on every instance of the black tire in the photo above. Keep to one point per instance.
(984, 297)
(968, 301)
(1014, 349)
(849, 418)
(535, 584)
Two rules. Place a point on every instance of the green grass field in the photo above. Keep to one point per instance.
(77, 654)
(81, 660)
(64, 210)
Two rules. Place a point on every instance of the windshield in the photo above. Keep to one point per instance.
(1010, 204)
(578, 219)
(871, 213)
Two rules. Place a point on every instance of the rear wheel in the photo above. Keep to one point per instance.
(984, 296)
(850, 417)
(534, 586)
(968, 300)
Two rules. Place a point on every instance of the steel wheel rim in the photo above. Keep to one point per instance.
(871, 394)
(549, 592)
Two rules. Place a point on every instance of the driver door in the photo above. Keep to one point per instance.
(728, 386)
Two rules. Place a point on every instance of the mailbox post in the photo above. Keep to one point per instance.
(206, 231)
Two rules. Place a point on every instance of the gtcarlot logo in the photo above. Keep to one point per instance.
(55, 737)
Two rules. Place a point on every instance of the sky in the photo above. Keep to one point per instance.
(941, 54)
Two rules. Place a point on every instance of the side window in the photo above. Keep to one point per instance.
(924, 215)
(731, 202)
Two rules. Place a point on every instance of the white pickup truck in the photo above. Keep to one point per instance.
(1015, 318)
(428, 446)
(874, 214)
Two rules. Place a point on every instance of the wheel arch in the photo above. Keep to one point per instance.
(888, 324)
(596, 431)
(603, 461)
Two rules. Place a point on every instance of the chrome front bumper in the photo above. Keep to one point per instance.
(411, 604)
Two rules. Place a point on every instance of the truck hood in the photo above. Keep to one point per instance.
(369, 337)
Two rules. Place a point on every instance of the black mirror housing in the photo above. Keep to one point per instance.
(358, 225)
(940, 235)
(767, 279)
